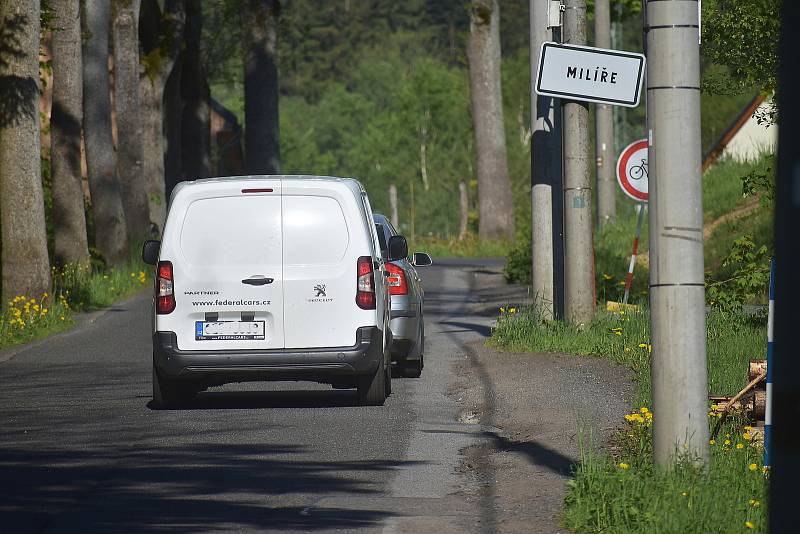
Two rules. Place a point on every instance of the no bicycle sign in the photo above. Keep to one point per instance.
(632, 170)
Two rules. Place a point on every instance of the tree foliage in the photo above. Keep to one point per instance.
(740, 37)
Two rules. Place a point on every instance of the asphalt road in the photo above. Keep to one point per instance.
(81, 450)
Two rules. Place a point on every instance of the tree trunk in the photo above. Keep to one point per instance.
(261, 141)
(495, 201)
(160, 34)
(26, 267)
(69, 216)
(196, 118)
(173, 114)
(393, 205)
(111, 237)
(130, 154)
(463, 198)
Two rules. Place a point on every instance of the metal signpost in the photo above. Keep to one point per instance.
(632, 178)
(590, 74)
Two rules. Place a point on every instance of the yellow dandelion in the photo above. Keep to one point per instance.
(712, 442)
(607, 276)
(512, 310)
(747, 436)
(739, 446)
(502, 310)
(727, 442)
(752, 467)
(627, 349)
(643, 409)
(624, 466)
(685, 494)
(754, 503)
(61, 318)
(748, 524)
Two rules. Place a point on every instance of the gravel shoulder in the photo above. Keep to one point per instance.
(542, 408)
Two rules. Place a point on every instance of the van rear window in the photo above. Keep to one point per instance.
(314, 230)
(240, 230)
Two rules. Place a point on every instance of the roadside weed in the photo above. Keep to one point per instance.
(625, 492)
(76, 288)
(622, 491)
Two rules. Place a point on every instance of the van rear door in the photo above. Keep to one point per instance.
(229, 271)
(321, 245)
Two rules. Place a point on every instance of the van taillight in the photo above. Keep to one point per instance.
(396, 280)
(365, 287)
(165, 294)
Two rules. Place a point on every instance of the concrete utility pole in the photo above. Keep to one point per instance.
(578, 249)
(604, 126)
(677, 291)
(545, 170)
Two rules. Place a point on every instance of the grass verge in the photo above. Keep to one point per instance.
(76, 288)
(469, 247)
(621, 490)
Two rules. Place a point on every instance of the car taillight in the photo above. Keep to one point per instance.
(396, 280)
(365, 286)
(165, 293)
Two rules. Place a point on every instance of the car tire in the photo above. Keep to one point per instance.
(170, 393)
(372, 388)
(389, 380)
(413, 368)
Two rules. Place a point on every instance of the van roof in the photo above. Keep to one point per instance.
(351, 183)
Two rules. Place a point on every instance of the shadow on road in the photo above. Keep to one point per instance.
(199, 488)
(481, 329)
(253, 400)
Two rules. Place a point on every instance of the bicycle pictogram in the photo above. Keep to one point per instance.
(637, 172)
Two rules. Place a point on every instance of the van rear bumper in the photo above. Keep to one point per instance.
(320, 365)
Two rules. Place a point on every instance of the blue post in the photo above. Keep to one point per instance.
(770, 326)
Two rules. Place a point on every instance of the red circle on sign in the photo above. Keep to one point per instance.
(623, 176)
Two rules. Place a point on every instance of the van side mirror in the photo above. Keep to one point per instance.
(150, 251)
(421, 259)
(398, 248)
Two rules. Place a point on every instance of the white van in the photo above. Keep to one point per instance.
(270, 278)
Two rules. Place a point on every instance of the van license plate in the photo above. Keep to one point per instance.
(228, 330)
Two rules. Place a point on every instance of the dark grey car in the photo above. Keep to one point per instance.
(407, 296)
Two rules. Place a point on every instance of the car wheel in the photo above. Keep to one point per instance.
(413, 368)
(372, 388)
(170, 393)
(389, 380)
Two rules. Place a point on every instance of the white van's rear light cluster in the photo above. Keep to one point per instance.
(365, 288)
(165, 293)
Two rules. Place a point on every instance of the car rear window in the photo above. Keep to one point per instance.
(238, 230)
(381, 236)
(314, 230)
